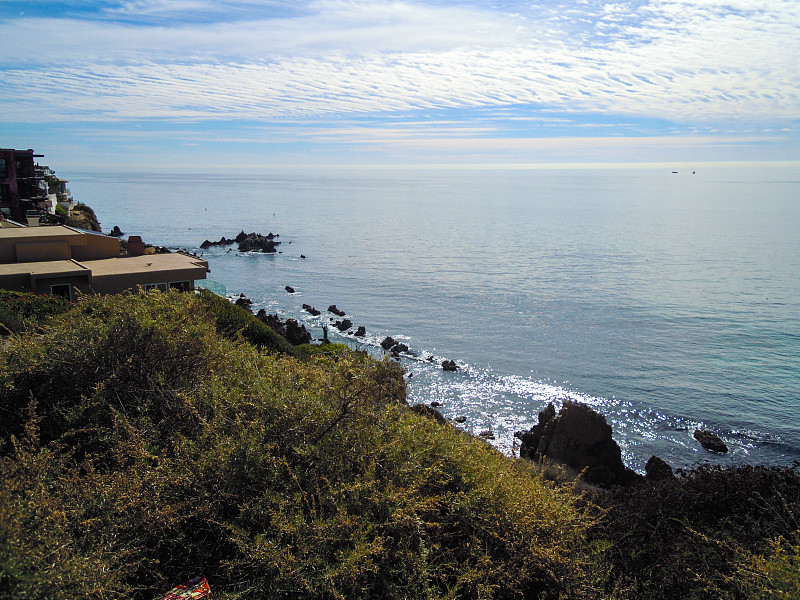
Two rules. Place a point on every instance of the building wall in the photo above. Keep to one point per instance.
(97, 247)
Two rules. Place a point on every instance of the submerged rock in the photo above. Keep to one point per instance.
(449, 365)
(710, 441)
(580, 438)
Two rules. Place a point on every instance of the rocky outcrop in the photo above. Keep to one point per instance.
(116, 232)
(289, 289)
(710, 441)
(83, 217)
(343, 325)
(223, 241)
(293, 331)
(579, 438)
(657, 469)
(361, 331)
(388, 343)
(311, 310)
(449, 365)
(339, 313)
(255, 242)
(431, 413)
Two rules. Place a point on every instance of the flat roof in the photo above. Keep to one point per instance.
(52, 268)
(148, 263)
(38, 233)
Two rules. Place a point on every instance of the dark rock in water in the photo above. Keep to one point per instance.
(223, 241)
(710, 441)
(460, 419)
(244, 302)
(343, 325)
(255, 242)
(487, 435)
(431, 413)
(311, 310)
(580, 438)
(388, 342)
(339, 313)
(302, 256)
(658, 470)
(361, 331)
(449, 365)
(400, 347)
(289, 289)
(116, 232)
(435, 404)
(293, 331)
(240, 237)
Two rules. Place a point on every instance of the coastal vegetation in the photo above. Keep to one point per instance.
(149, 437)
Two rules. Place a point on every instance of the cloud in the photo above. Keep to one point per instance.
(687, 61)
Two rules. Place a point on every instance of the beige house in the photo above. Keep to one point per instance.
(62, 260)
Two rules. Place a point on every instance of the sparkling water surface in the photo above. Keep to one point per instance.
(666, 301)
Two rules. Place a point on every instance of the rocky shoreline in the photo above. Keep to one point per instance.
(577, 439)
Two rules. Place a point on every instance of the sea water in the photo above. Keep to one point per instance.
(667, 301)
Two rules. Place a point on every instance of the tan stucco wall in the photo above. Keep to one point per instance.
(41, 251)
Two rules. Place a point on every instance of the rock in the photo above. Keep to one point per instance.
(400, 347)
(255, 242)
(710, 441)
(223, 241)
(580, 438)
(343, 325)
(240, 237)
(244, 302)
(289, 289)
(460, 419)
(339, 313)
(449, 365)
(116, 232)
(302, 256)
(388, 343)
(487, 434)
(293, 331)
(431, 413)
(435, 404)
(361, 331)
(311, 310)
(658, 470)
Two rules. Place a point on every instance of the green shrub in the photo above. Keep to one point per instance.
(687, 537)
(233, 320)
(139, 447)
(20, 310)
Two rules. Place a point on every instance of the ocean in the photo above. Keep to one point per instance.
(667, 301)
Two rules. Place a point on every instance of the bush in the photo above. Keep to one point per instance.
(689, 537)
(140, 447)
(21, 310)
(233, 320)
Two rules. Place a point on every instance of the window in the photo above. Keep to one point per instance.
(3, 168)
(156, 286)
(62, 289)
(182, 286)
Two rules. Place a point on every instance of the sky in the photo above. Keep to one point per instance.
(210, 84)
